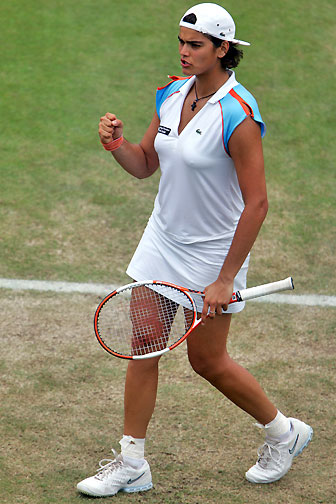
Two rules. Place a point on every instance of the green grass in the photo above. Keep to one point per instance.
(68, 212)
(63, 408)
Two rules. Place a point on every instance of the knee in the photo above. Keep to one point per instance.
(143, 366)
(200, 367)
(210, 367)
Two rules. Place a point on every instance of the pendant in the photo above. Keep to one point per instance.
(193, 105)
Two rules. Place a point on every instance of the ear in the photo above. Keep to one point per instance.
(223, 49)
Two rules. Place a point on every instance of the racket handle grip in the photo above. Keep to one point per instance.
(263, 290)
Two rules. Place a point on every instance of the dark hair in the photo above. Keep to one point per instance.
(232, 57)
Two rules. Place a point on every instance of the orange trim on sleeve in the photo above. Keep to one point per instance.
(245, 106)
(173, 79)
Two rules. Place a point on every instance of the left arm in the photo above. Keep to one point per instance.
(246, 152)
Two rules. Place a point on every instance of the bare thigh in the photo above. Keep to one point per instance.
(207, 343)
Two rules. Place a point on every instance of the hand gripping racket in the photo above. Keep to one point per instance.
(146, 319)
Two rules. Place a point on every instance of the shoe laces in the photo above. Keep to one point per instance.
(107, 466)
(268, 454)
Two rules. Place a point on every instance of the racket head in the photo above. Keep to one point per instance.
(144, 319)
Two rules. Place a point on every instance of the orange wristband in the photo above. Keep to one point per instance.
(114, 144)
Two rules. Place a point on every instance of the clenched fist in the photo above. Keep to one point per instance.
(110, 128)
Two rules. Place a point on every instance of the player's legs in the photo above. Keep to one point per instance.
(209, 358)
(285, 437)
(129, 472)
(140, 395)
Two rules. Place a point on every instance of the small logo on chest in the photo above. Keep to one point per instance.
(164, 130)
(199, 132)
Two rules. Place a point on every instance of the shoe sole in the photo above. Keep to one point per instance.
(143, 488)
(137, 489)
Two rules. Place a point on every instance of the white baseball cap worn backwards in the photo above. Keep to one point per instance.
(212, 19)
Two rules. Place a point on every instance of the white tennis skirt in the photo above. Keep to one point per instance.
(191, 265)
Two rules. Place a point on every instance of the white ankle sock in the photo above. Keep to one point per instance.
(135, 463)
(133, 450)
(279, 428)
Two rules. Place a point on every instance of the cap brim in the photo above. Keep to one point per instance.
(240, 42)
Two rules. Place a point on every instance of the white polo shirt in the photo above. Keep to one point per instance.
(199, 201)
(199, 198)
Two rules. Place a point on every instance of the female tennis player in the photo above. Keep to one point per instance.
(206, 137)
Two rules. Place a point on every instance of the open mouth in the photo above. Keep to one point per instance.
(184, 63)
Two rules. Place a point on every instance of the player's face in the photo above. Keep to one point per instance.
(198, 53)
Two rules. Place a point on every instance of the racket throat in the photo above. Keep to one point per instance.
(236, 297)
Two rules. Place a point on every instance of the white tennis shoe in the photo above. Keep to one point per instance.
(275, 459)
(115, 476)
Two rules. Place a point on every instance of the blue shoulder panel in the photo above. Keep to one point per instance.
(165, 91)
(236, 105)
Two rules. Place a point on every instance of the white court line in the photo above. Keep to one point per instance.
(104, 289)
(44, 285)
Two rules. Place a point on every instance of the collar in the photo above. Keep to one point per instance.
(222, 91)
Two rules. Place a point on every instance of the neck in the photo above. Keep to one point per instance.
(207, 85)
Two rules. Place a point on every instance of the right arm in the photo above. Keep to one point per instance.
(140, 160)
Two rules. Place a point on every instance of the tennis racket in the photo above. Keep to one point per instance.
(146, 319)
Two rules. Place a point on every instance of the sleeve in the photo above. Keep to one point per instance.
(161, 95)
(236, 106)
(164, 92)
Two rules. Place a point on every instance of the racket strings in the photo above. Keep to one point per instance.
(142, 319)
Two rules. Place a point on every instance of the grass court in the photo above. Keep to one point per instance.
(69, 213)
